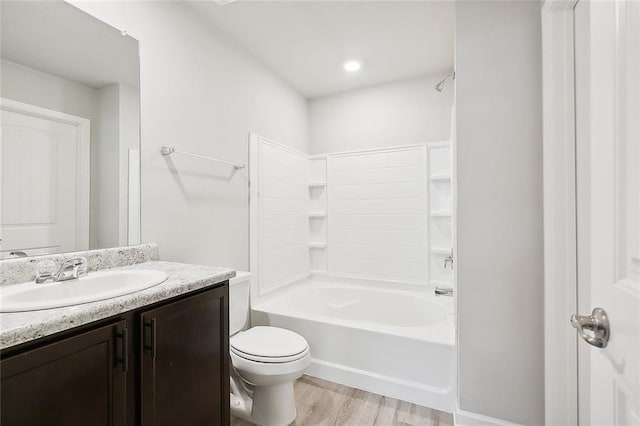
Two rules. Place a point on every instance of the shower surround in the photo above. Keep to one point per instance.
(347, 249)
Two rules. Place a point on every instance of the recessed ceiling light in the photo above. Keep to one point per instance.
(352, 66)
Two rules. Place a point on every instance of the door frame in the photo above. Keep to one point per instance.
(83, 126)
(560, 236)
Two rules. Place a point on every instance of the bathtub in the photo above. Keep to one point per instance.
(389, 339)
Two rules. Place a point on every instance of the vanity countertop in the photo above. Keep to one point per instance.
(21, 327)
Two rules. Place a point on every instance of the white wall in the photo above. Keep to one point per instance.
(107, 150)
(119, 130)
(199, 93)
(35, 87)
(399, 113)
(499, 215)
(129, 138)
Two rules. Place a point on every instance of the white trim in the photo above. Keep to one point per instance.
(254, 217)
(84, 158)
(327, 199)
(467, 418)
(318, 156)
(435, 144)
(418, 284)
(561, 380)
(278, 145)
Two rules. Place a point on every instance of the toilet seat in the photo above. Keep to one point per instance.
(269, 345)
(269, 360)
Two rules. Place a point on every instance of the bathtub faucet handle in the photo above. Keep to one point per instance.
(449, 260)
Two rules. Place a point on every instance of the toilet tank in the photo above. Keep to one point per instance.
(239, 301)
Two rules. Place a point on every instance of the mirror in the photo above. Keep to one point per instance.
(70, 118)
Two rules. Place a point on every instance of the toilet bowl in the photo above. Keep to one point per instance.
(265, 363)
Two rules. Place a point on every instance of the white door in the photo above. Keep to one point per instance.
(607, 47)
(44, 181)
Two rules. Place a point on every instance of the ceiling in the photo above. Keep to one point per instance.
(307, 42)
(59, 39)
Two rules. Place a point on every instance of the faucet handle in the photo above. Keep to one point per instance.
(449, 260)
(45, 270)
(76, 261)
(83, 268)
(76, 267)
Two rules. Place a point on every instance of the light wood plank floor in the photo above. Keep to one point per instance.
(328, 404)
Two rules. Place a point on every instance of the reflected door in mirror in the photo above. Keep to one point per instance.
(45, 175)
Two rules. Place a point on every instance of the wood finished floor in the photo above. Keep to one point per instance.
(328, 404)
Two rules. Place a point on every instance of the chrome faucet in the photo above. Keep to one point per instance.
(18, 253)
(449, 260)
(71, 269)
(444, 291)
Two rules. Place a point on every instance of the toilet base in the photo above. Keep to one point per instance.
(270, 406)
(274, 405)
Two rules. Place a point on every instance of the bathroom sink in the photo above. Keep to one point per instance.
(95, 286)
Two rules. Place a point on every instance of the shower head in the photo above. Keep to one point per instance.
(440, 85)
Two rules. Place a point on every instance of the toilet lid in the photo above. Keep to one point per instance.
(268, 342)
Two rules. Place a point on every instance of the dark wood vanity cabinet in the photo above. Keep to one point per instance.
(164, 364)
(185, 364)
(78, 380)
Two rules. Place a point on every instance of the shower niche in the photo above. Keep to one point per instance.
(318, 214)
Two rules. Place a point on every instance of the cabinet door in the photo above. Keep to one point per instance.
(185, 361)
(80, 380)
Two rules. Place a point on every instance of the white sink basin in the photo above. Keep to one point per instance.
(96, 286)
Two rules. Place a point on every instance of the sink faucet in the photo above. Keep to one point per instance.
(71, 269)
(444, 291)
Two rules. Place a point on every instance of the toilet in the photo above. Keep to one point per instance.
(265, 363)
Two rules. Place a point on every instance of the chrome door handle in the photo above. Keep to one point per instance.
(594, 328)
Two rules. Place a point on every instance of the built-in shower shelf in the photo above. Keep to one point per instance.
(440, 213)
(317, 245)
(317, 214)
(317, 184)
(440, 178)
(441, 250)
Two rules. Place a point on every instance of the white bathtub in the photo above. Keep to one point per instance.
(397, 341)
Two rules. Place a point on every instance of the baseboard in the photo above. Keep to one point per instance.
(467, 418)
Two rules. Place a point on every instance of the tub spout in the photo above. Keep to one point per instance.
(444, 291)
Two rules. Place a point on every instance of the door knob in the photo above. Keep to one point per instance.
(594, 328)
